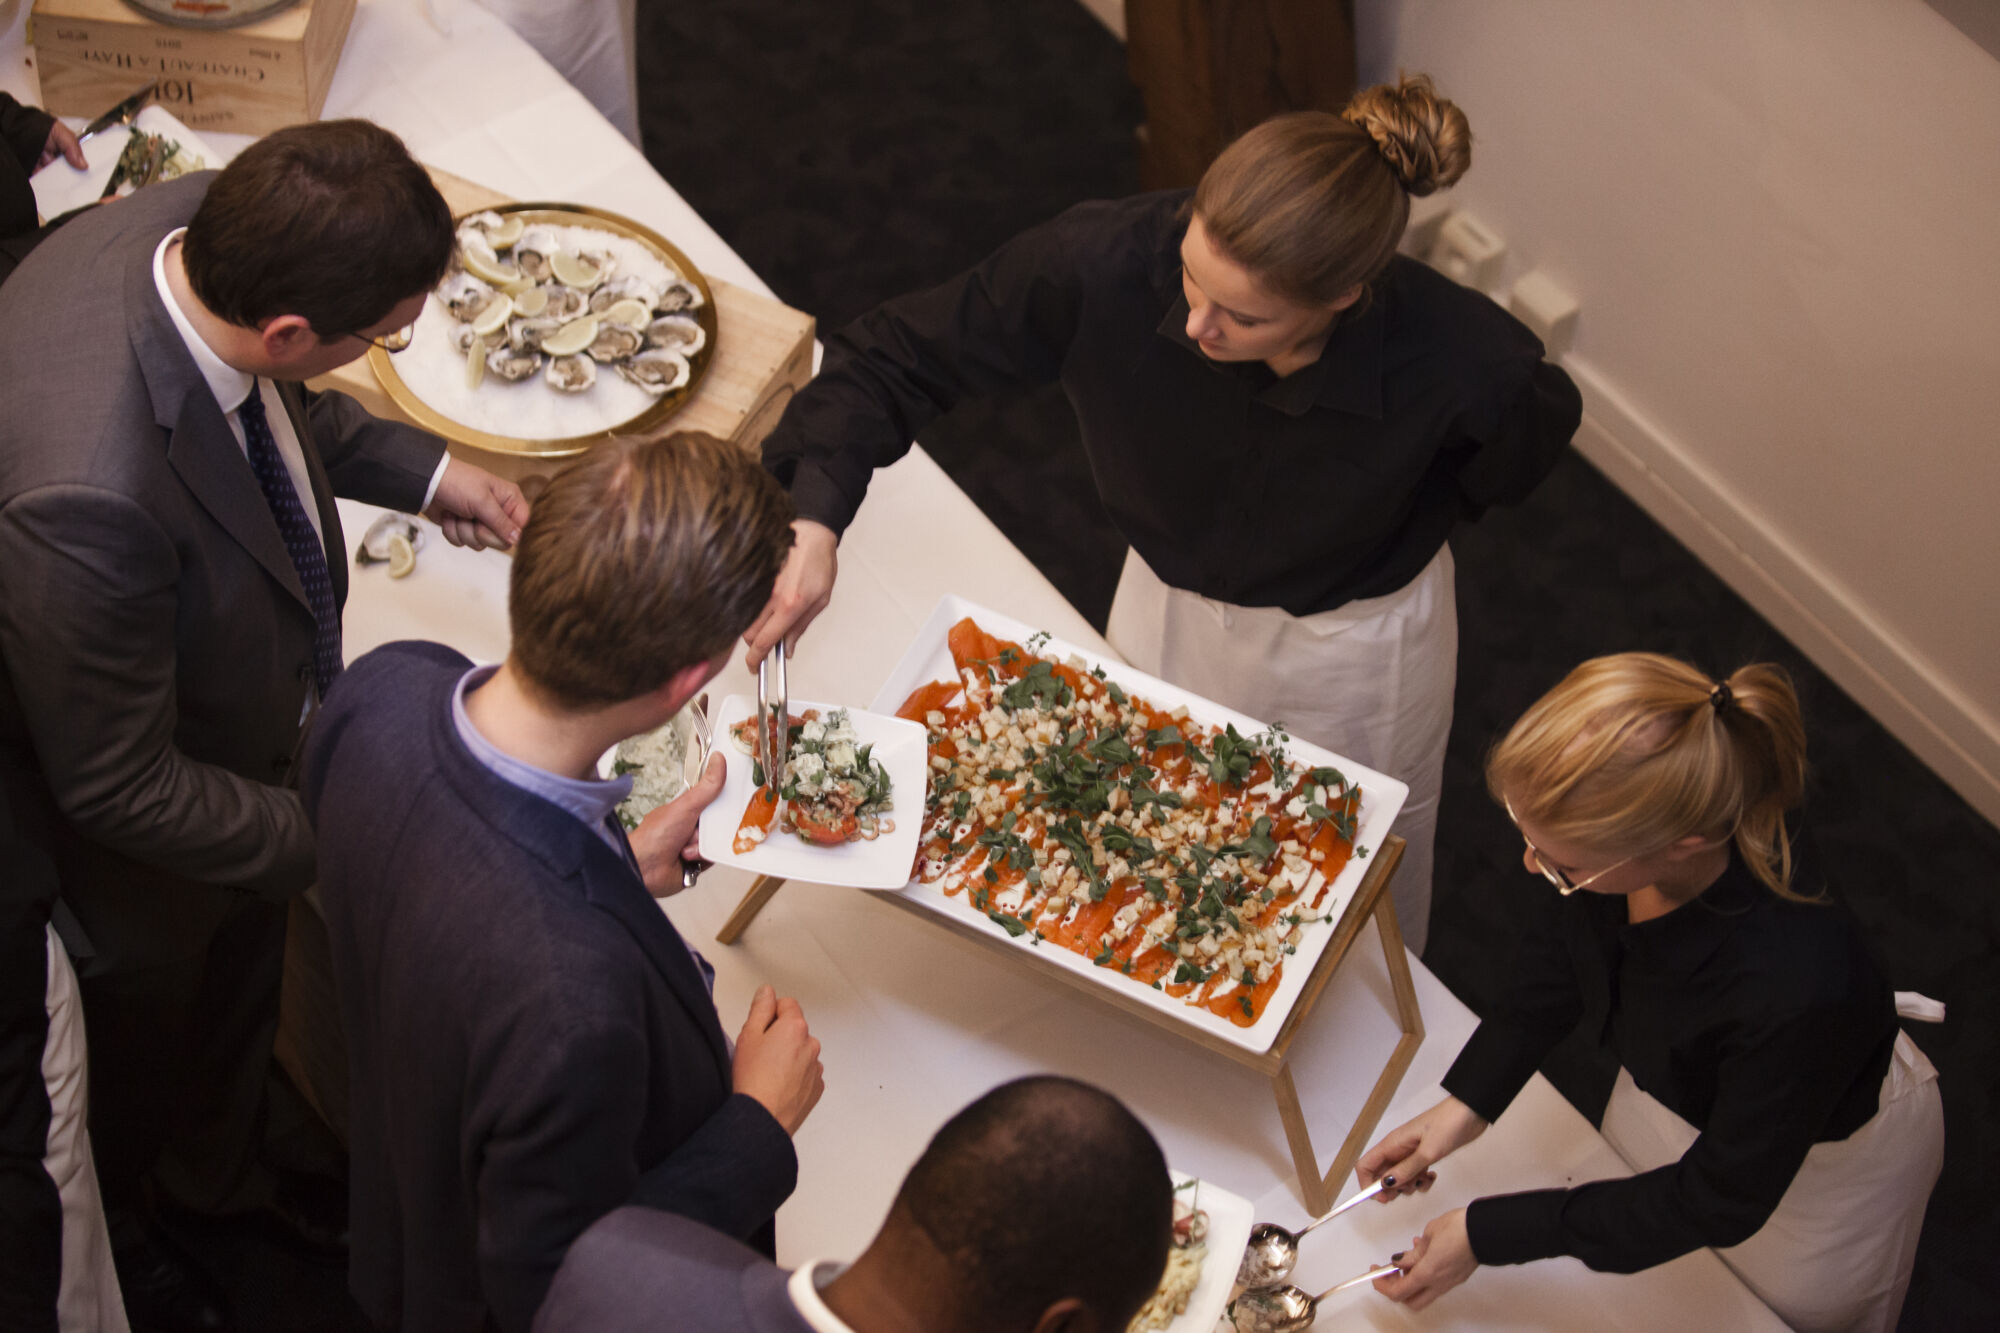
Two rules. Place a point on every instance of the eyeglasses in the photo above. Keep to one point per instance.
(1564, 884)
(389, 342)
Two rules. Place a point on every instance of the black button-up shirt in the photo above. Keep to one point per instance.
(1339, 481)
(1761, 1022)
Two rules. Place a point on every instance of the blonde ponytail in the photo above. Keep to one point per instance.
(1635, 751)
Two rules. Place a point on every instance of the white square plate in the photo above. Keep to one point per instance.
(882, 864)
(929, 658)
(1229, 1222)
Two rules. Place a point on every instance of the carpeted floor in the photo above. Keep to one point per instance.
(852, 152)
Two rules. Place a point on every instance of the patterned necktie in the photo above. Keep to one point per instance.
(308, 556)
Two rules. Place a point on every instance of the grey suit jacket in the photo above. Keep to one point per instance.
(641, 1271)
(155, 642)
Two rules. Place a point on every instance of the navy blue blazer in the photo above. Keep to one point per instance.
(639, 1271)
(531, 1044)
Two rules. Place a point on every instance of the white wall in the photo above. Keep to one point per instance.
(1782, 221)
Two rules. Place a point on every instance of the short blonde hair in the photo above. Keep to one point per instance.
(1315, 203)
(1635, 751)
(642, 559)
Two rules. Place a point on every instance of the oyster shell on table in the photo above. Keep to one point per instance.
(678, 294)
(571, 374)
(680, 332)
(615, 342)
(657, 370)
(512, 365)
(374, 547)
(628, 287)
(465, 296)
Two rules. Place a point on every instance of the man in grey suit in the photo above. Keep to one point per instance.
(171, 571)
(1043, 1207)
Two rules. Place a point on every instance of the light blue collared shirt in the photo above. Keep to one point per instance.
(594, 802)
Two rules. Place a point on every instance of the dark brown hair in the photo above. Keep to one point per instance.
(333, 221)
(1314, 203)
(642, 559)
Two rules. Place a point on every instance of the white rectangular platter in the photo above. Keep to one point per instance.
(882, 864)
(929, 658)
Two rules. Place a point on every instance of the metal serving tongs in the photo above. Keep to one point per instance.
(691, 867)
(774, 720)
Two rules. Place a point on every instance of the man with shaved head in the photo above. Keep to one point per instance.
(1043, 1207)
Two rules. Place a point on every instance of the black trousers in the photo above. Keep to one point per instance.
(180, 997)
(30, 1210)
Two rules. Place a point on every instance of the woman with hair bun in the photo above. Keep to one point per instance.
(1767, 1102)
(1284, 419)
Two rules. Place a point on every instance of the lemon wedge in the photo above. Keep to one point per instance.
(571, 337)
(475, 363)
(495, 316)
(524, 283)
(508, 232)
(402, 556)
(531, 302)
(488, 270)
(631, 312)
(575, 270)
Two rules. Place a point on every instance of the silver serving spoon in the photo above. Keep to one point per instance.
(1273, 1251)
(1287, 1309)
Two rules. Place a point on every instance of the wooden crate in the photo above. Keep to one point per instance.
(763, 355)
(249, 80)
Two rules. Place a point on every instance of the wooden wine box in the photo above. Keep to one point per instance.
(248, 80)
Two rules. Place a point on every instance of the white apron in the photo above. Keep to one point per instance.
(1371, 680)
(88, 1300)
(1836, 1255)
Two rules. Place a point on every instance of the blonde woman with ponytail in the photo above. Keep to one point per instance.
(1284, 420)
(1767, 1102)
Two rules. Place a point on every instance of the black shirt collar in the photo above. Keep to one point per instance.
(1685, 938)
(1347, 376)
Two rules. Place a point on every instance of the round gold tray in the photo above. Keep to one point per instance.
(644, 423)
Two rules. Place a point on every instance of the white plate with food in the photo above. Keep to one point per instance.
(850, 801)
(1211, 1227)
(1173, 851)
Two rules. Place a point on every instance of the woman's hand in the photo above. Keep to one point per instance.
(1409, 1151)
(1436, 1262)
(777, 1060)
(804, 587)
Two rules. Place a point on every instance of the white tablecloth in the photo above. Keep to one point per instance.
(914, 1022)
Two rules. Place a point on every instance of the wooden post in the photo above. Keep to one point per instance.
(746, 911)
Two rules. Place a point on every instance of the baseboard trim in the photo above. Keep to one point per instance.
(1885, 674)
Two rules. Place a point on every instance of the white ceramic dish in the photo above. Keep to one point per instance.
(1229, 1222)
(929, 658)
(882, 864)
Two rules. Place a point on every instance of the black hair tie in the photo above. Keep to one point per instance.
(1721, 698)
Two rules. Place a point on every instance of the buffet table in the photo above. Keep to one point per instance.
(915, 1022)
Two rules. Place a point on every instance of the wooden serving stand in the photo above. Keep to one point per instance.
(1370, 900)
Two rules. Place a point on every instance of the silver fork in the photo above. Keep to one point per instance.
(691, 869)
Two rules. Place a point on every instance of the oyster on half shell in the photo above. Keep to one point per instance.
(532, 253)
(571, 374)
(657, 370)
(615, 342)
(679, 294)
(680, 332)
(625, 287)
(513, 365)
(465, 296)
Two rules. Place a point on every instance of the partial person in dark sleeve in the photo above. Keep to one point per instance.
(30, 139)
(532, 1044)
(1284, 418)
(1767, 1102)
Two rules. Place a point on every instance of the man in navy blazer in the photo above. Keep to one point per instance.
(532, 1044)
(1043, 1207)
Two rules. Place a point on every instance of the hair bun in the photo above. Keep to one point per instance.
(1424, 137)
